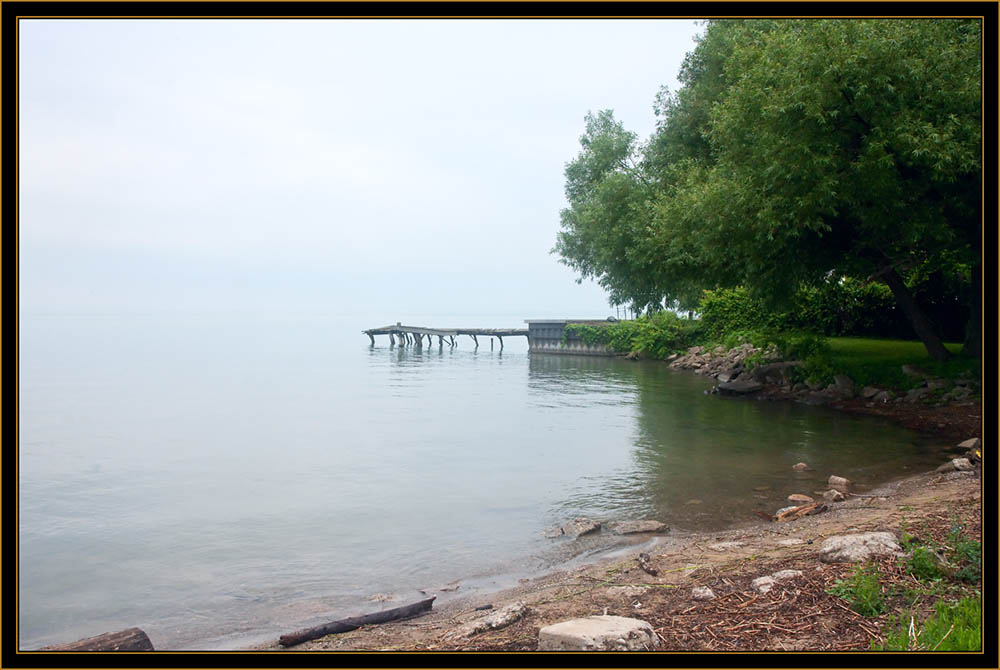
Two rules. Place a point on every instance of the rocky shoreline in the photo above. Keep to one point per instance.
(668, 593)
(764, 578)
(761, 587)
(934, 406)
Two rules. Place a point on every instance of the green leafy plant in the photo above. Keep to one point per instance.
(966, 553)
(862, 591)
(954, 626)
(924, 564)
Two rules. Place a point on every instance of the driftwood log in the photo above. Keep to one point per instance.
(133, 639)
(794, 512)
(344, 625)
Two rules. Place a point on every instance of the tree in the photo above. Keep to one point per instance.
(604, 226)
(798, 150)
(851, 147)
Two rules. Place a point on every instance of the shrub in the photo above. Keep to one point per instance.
(656, 335)
(731, 310)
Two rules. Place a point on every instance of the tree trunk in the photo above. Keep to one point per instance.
(921, 324)
(974, 326)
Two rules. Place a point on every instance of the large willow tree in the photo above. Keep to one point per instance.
(798, 150)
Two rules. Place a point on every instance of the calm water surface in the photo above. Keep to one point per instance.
(218, 480)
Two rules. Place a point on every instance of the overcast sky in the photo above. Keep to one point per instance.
(368, 166)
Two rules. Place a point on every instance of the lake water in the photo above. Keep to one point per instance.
(219, 480)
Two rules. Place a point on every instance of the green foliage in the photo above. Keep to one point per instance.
(589, 334)
(923, 564)
(966, 553)
(656, 335)
(862, 591)
(958, 559)
(735, 311)
(954, 626)
(796, 153)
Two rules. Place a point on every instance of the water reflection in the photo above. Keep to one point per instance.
(705, 461)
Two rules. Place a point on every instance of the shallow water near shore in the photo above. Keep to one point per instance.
(219, 479)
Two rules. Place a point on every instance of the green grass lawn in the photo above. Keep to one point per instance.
(876, 362)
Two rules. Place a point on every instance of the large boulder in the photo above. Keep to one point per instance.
(597, 633)
(858, 547)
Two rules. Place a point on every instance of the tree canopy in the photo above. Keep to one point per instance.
(795, 150)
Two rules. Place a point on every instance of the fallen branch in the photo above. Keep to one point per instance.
(344, 625)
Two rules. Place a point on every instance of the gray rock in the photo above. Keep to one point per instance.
(917, 394)
(800, 467)
(739, 387)
(729, 375)
(800, 498)
(858, 547)
(973, 443)
(765, 584)
(839, 483)
(597, 633)
(882, 397)
(833, 495)
(799, 387)
(870, 392)
(574, 528)
(962, 464)
(702, 593)
(844, 386)
(644, 526)
(499, 619)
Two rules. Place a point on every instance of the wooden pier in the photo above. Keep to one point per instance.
(414, 335)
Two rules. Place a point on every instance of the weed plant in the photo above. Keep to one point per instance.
(862, 591)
